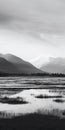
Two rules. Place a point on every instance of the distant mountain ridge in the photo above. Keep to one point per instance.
(54, 65)
(12, 64)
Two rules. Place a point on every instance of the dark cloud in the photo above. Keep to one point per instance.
(4, 18)
(37, 15)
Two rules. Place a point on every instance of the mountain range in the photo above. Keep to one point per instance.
(12, 64)
(54, 65)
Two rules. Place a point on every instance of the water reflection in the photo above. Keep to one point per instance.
(43, 105)
(49, 99)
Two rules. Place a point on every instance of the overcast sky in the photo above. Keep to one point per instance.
(32, 28)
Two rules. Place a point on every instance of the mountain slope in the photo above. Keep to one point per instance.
(13, 64)
(55, 65)
(6, 66)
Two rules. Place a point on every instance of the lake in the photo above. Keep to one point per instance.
(24, 95)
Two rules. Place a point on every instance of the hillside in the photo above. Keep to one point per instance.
(14, 65)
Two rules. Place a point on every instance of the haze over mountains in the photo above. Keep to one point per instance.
(54, 65)
(12, 64)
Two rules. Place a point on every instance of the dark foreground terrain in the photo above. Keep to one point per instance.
(33, 122)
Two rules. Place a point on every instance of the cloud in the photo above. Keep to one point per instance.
(36, 15)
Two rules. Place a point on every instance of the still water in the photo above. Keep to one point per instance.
(43, 95)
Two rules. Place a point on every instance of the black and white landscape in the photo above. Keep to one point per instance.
(54, 65)
(11, 64)
(32, 65)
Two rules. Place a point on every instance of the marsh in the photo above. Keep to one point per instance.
(24, 98)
